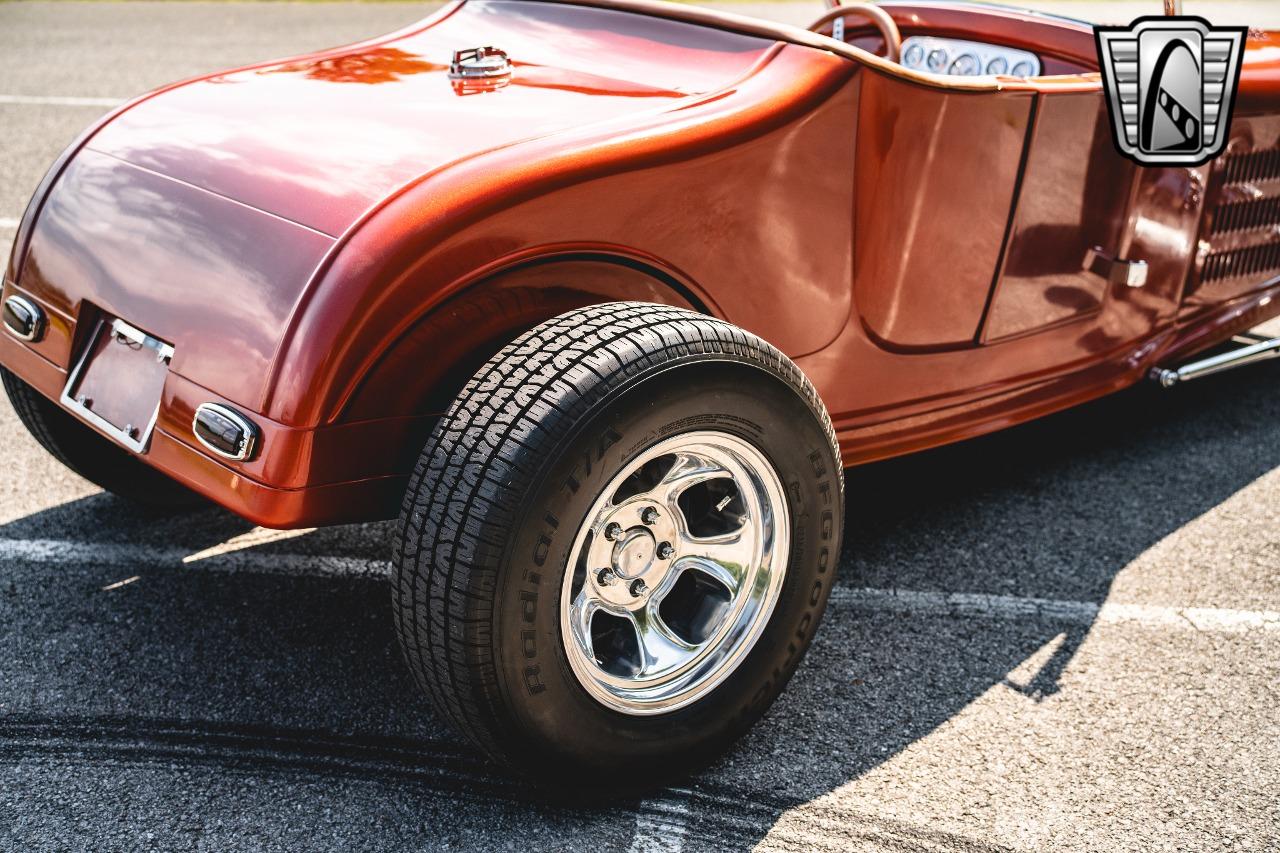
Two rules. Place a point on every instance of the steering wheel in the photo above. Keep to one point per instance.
(877, 16)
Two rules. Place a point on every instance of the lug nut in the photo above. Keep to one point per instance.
(649, 515)
(665, 551)
(638, 587)
(604, 577)
(612, 531)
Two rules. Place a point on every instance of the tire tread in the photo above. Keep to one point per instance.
(464, 494)
(93, 456)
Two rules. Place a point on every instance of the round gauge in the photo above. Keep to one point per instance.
(914, 56)
(1023, 69)
(999, 65)
(937, 60)
(966, 65)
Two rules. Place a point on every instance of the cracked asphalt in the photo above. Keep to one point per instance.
(1061, 637)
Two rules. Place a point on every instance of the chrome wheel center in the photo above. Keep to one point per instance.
(634, 554)
(675, 572)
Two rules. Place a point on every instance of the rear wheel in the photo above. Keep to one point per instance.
(618, 542)
(93, 456)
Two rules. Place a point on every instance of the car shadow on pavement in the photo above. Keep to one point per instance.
(1054, 509)
(299, 677)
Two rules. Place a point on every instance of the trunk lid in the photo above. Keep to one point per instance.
(321, 139)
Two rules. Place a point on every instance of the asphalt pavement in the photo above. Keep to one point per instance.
(1061, 637)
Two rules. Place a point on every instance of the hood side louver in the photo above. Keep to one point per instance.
(1243, 231)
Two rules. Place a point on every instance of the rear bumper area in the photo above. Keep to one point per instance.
(348, 502)
(214, 283)
(336, 474)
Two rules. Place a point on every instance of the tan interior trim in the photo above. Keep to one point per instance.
(867, 11)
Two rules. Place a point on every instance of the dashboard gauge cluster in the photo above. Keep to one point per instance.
(967, 58)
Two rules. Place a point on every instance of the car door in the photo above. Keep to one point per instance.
(986, 216)
(1094, 241)
(1002, 249)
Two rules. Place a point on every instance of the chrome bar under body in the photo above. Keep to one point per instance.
(1262, 350)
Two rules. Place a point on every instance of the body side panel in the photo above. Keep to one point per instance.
(1072, 198)
(425, 369)
(731, 195)
(935, 179)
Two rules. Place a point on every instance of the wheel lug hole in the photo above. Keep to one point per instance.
(649, 515)
(638, 587)
(665, 551)
(605, 577)
(612, 531)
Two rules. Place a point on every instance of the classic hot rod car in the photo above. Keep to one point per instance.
(571, 287)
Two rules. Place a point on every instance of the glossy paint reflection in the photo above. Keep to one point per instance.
(1067, 205)
(214, 278)
(753, 192)
(335, 241)
(935, 179)
(321, 140)
(368, 67)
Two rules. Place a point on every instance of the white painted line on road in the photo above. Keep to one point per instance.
(64, 552)
(5, 222)
(661, 823)
(252, 539)
(1013, 608)
(121, 583)
(60, 101)
(953, 604)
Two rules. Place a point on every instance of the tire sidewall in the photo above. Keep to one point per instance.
(537, 683)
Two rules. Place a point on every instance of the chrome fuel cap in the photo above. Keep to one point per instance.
(479, 63)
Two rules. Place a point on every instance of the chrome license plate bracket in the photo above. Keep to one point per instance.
(117, 383)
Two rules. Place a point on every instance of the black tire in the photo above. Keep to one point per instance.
(91, 455)
(485, 532)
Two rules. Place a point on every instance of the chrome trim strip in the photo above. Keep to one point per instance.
(249, 429)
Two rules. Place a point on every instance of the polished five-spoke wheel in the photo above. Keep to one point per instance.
(618, 544)
(675, 572)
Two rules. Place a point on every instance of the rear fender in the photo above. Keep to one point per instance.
(425, 369)
(727, 196)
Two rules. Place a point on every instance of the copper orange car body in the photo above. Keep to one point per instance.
(333, 243)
